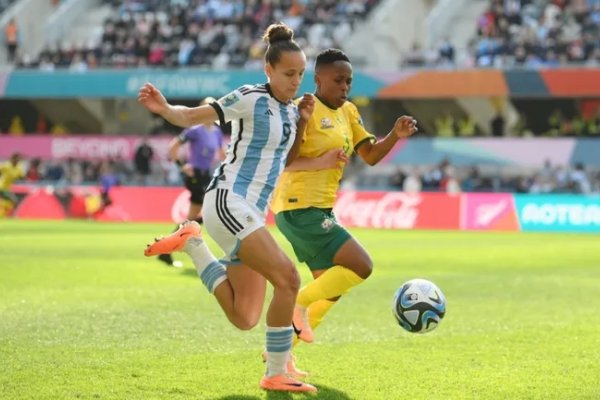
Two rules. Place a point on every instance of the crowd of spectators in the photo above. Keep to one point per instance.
(538, 33)
(207, 33)
(445, 177)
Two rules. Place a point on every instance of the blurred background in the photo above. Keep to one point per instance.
(506, 92)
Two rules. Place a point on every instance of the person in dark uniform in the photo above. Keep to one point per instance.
(206, 143)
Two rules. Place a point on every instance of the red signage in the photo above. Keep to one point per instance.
(398, 210)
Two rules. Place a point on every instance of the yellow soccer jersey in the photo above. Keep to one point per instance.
(327, 129)
(8, 174)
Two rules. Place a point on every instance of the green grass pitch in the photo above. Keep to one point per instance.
(83, 315)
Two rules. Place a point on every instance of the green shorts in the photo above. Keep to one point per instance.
(314, 234)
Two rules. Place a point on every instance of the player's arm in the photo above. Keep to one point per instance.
(151, 98)
(306, 107)
(174, 146)
(334, 158)
(372, 153)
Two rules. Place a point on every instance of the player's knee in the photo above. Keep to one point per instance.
(287, 279)
(365, 267)
(245, 322)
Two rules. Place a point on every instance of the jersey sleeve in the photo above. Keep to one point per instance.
(232, 106)
(359, 133)
(185, 135)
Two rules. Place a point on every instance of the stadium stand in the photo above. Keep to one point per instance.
(208, 33)
(4, 4)
(538, 33)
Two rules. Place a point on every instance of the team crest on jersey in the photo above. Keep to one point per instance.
(326, 123)
(327, 224)
(229, 100)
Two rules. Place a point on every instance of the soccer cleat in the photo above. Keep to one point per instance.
(301, 325)
(175, 241)
(290, 367)
(285, 383)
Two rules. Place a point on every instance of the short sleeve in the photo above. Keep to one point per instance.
(184, 136)
(232, 106)
(359, 133)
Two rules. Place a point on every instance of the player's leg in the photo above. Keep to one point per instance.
(194, 213)
(242, 300)
(197, 188)
(350, 266)
(260, 251)
(323, 244)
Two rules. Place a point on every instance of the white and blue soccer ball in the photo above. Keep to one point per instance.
(419, 306)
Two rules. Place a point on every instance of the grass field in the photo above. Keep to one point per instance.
(83, 315)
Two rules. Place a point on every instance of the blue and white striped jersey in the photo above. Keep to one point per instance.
(263, 131)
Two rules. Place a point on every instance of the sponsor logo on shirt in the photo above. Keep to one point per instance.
(229, 100)
(326, 123)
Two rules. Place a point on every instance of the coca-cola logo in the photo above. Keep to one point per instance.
(390, 210)
(181, 207)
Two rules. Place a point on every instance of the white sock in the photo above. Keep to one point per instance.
(279, 344)
(210, 270)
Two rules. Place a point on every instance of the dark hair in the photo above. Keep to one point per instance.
(280, 38)
(330, 56)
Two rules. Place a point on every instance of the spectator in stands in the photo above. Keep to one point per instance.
(11, 37)
(142, 159)
(34, 173)
(108, 180)
(467, 127)
(412, 183)
(444, 125)
(497, 125)
(10, 172)
(446, 53)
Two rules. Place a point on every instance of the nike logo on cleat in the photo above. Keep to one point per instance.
(296, 330)
(294, 384)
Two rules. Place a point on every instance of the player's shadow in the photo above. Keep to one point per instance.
(189, 271)
(324, 393)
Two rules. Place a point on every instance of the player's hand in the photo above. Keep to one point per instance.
(151, 98)
(405, 126)
(306, 106)
(334, 158)
(188, 169)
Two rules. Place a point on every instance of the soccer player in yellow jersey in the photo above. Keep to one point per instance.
(10, 171)
(306, 193)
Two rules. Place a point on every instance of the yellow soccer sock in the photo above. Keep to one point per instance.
(334, 282)
(316, 312)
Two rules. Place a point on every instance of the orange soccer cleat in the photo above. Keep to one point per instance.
(175, 241)
(285, 383)
(302, 326)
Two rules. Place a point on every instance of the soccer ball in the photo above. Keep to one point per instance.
(419, 306)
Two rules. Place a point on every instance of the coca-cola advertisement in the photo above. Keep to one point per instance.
(398, 210)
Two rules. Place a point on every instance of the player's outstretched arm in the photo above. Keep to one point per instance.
(151, 98)
(372, 153)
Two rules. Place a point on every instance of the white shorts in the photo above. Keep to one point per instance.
(228, 219)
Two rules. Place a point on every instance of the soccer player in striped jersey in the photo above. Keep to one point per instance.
(307, 190)
(265, 121)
